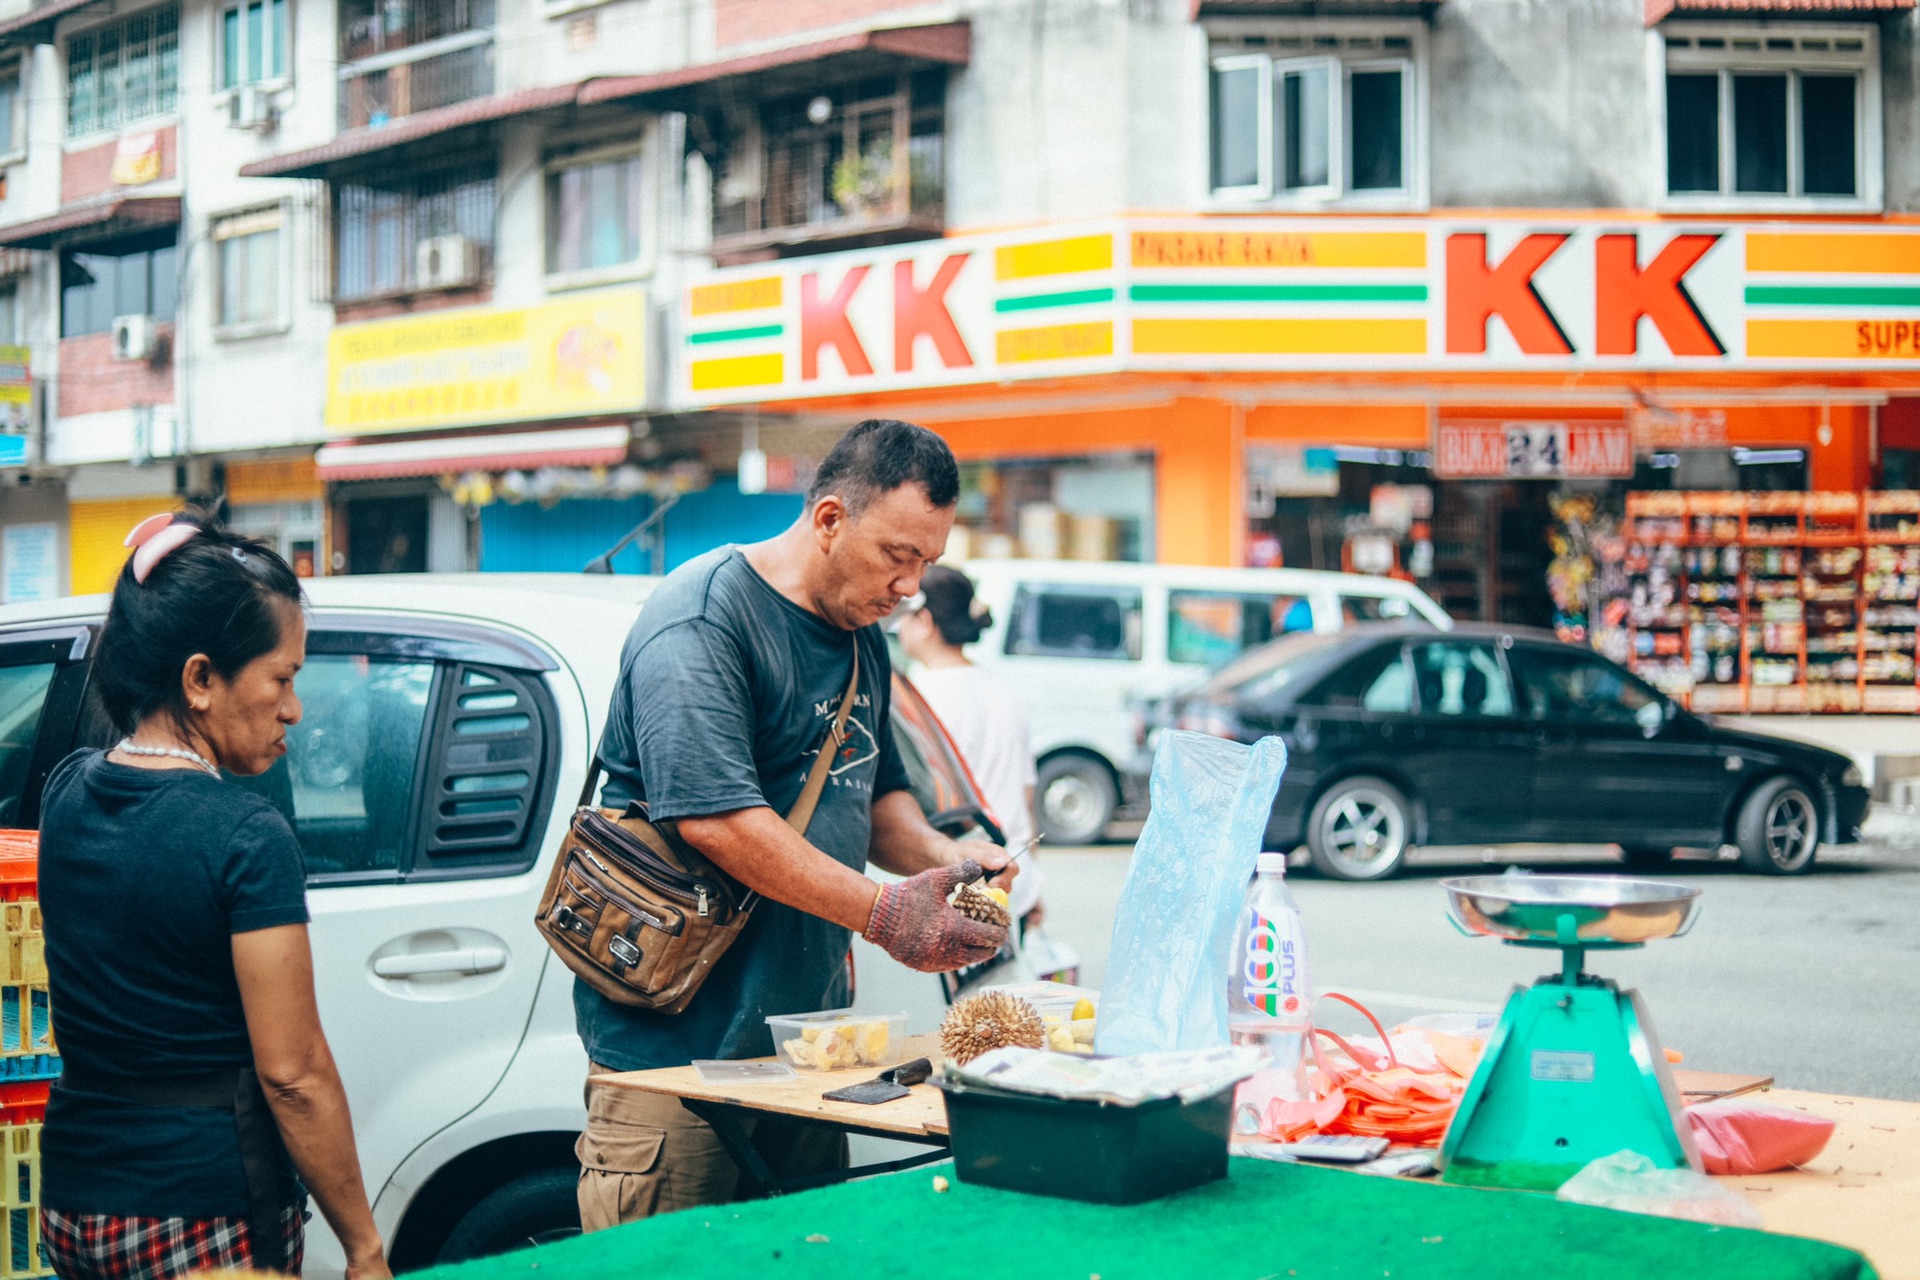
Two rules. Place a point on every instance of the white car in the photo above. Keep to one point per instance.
(448, 725)
(1083, 642)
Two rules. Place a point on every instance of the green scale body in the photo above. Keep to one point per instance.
(1573, 1072)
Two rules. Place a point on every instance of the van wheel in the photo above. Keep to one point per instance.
(1076, 799)
(1779, 828)
(534, 1209)
(1360, 830)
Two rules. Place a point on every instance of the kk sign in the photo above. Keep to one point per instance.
(1204, 294)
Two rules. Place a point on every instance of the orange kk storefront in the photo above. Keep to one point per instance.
(1402, 394)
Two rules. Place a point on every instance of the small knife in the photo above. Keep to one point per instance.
(888, 1085)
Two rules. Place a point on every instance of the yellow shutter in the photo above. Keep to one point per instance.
(97, 533)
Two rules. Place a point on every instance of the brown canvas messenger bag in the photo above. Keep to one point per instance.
(640, 914)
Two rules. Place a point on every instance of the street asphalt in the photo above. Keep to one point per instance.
(1814, 980)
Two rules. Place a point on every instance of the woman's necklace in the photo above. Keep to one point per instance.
(177, 753)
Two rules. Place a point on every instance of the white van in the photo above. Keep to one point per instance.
(1083, 640)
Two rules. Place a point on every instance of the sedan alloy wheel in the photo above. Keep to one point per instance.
(1779, 828)
(1360, 830)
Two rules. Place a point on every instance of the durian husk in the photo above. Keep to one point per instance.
(993, 1020)
(974, 903)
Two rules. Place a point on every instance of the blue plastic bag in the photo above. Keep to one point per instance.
(1166, 980)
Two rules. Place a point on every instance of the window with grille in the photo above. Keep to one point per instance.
(124, 72)
(1301, 113)
(596, 211)
(1765, 116)
(380, 222)
(136, 277)
(250, 266)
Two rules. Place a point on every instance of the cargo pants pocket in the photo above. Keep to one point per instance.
(642, 1154)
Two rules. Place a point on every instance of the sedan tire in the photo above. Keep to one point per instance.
(1076, 797)
(1779, 828)
(1360, 829)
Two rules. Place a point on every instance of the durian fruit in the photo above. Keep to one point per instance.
(990, 1021)
(976, 903)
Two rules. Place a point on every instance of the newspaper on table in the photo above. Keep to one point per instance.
(1185, 1074)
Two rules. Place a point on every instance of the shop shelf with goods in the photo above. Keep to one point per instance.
(1656, 537)
(1774, 603)
(1890, 602)
(1713, 563)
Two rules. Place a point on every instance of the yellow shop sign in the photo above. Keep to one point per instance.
(572, 358)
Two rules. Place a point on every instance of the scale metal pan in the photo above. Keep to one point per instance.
(1605, 909)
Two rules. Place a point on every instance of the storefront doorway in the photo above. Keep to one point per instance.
(387, 535)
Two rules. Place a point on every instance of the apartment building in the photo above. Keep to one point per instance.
(426, 284)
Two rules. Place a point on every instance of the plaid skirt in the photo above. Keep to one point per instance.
(101, 1246)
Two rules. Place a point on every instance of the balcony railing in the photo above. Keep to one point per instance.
(871, 167)
(399, 57)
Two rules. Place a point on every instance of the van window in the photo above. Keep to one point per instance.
(1076, 622)
(1378, 609)
(1209, 627)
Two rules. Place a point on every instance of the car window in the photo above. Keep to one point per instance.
(346, 783)
(1461, 678)
(1557, 684)
(1209, 627)
(1076, 622)
(1377, 680)
(1358, 608)
(23, 695)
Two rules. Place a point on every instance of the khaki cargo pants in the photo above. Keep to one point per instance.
(643, 1153)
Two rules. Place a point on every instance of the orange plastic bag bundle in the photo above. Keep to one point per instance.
(1378, 1096)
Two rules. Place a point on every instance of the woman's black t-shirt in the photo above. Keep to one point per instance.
(145, 875)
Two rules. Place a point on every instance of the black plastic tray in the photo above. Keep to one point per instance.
(1094, 1151)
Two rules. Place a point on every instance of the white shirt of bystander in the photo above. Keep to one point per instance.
(988, 722)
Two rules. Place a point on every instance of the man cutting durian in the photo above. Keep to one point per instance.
(738, 663)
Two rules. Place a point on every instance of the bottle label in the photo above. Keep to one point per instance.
(1271, 968)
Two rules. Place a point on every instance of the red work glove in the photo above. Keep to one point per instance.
(913, 923)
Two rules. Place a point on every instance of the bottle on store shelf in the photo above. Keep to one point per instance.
(1267, 993)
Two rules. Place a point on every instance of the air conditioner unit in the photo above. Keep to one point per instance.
(251, 107)
(133, 338)
(446, 262)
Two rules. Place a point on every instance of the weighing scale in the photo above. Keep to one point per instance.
(1574, 1070)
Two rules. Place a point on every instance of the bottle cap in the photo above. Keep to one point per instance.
(1270, 864)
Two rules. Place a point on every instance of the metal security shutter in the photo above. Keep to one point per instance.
(97, 534)
(490, 774)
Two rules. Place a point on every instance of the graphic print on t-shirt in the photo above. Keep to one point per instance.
(858, 748)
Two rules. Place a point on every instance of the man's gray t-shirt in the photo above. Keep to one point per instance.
(726, 691)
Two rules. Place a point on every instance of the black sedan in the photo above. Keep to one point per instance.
(1484, 735)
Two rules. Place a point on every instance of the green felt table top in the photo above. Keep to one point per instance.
(1266, 1221)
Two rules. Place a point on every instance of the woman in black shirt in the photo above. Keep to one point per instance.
(197, 1093)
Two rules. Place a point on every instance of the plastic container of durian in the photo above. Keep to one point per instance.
(838, 1039)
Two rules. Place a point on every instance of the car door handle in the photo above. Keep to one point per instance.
(463, 960)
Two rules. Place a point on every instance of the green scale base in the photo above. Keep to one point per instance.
(1573, 1072)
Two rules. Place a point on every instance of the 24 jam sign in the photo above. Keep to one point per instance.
(1470, 449)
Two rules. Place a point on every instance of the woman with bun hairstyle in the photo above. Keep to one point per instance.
(981, 712)
(198, 1102)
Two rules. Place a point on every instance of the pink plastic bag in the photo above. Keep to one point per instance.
(1737, 1136)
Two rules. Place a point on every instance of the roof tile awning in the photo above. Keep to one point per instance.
(35, 26)
(1659, 10)
(949, 43)
(451, 455)
(1310, 8)
(101, 220)
(314, 162)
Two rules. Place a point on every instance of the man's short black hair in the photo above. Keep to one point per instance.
(878, 456)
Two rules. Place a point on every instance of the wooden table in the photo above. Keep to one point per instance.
(919, 1117)
(1863, 1191)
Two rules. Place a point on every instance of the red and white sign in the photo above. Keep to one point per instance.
(1489, 449)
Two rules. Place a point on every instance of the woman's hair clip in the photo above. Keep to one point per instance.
(156, 538)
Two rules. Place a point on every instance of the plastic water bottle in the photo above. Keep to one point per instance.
(1267, 993)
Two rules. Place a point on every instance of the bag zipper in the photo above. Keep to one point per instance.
(670, 927)
(650, 865)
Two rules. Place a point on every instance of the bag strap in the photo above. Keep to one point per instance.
(801, 815)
